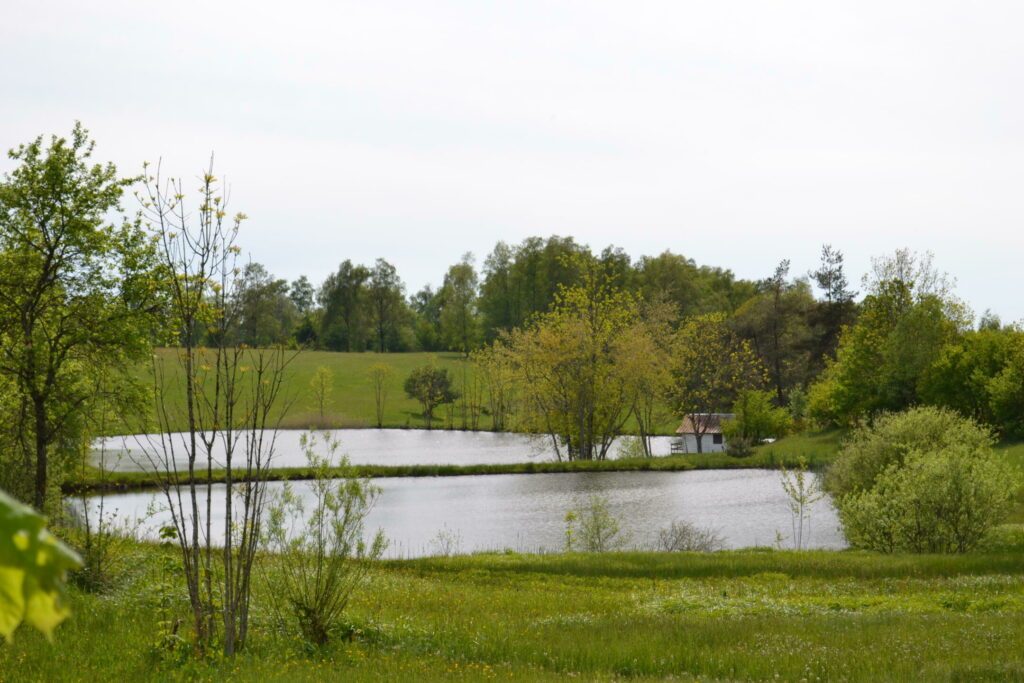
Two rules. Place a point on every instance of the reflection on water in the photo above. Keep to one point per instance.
(526, 512)
(369, 447)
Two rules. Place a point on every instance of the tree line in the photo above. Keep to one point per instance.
(362, 307)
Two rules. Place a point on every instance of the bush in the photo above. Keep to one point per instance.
(106, 547)
(739, 447)
(432, 387)
(798, 407)
(681, 536)
(631, 448)
(934, 501)
(870, 450)
(756, 418)
(592, 528)
(323, 558)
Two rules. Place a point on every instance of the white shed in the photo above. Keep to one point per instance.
(707, 424)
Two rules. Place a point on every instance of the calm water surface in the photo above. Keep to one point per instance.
(526, 512)
(366, 447)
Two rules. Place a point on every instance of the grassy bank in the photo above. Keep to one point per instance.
(122, 481)
(816, 449)
(724, 616)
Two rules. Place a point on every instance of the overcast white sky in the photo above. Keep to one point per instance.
(736, 133)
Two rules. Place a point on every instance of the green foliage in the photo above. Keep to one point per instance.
(798, 407)
(1006, 392)
(321, 557)
(458, 322)
(380, 374)
(77, 297)
(631, 448)
(756, 418)
(432, 387)
(692, 289)
(802, 491)
(522, 281)
(926, 480)
(935, 501)
(777, 321)
(962, 376)
(579, 368)
(871, 449)
(264, 314)
(33, 565)
(710, 367)
(905, 322)
(387, 306)
(344, 324)
(322, 386)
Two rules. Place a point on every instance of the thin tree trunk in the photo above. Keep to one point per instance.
(42, 460)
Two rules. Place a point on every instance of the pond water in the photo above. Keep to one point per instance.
(368, 447)
(526, 512)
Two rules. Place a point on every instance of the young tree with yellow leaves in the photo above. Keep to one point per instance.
(710, 366)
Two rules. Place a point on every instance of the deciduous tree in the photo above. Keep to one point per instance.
(710, 367)
(77, 294)
(432, 387)
(575, 368)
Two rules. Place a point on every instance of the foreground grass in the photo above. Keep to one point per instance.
(744, 615)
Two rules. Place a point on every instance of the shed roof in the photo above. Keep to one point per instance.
(711, 423)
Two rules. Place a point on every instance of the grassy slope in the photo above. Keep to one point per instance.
(726, 616)
(351, 403)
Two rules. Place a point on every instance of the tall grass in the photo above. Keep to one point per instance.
(742, 615)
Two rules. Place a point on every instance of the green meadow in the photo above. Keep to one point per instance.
(350, 402)
(730, 616)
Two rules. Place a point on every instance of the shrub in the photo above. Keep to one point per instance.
(871, 449)
(432, 387)
(631, 448)
(106, 547)
(935, 501)
(802, 492)
(323, 557)
(446, 542)
(739, 447)
(756, 418)
(798, 407)
(681, 536)
(592, 528)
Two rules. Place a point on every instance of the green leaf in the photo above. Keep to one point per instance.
(33, 565)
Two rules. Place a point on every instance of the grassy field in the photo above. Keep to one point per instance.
(744, 615)
(351, 400)
(351, 403)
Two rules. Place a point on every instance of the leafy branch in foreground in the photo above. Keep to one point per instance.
(33, 565)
